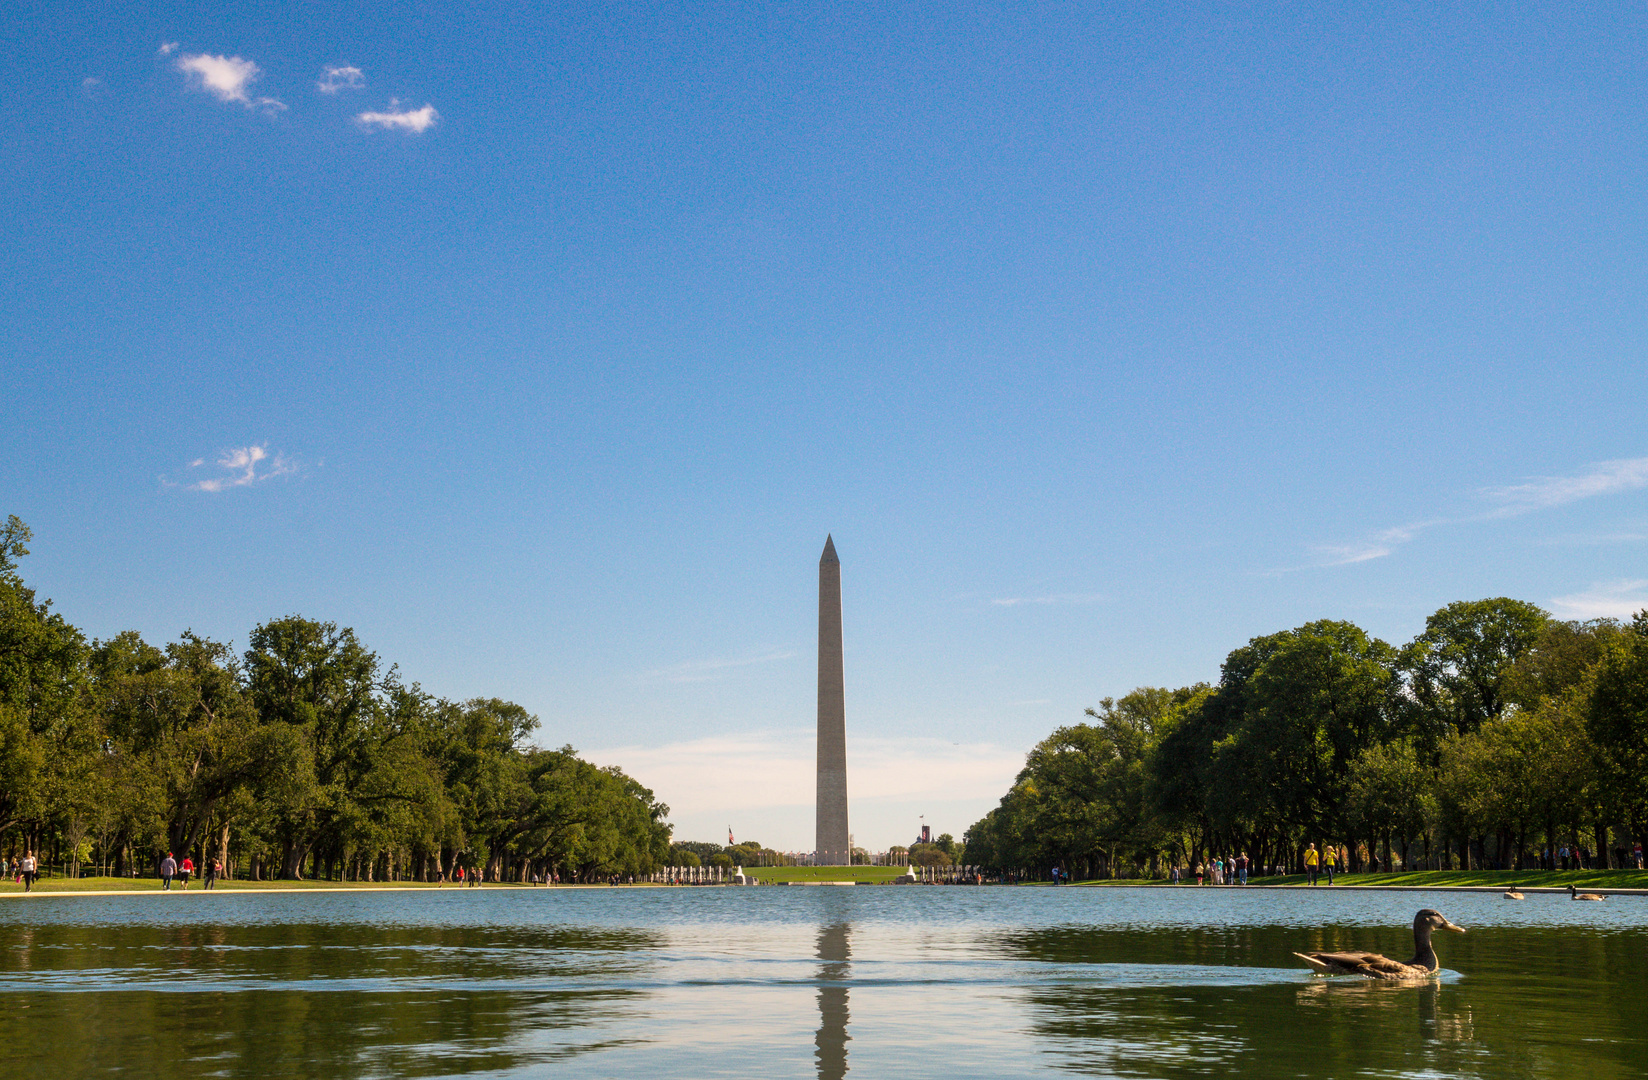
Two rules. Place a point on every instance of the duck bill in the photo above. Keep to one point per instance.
(1451, 926)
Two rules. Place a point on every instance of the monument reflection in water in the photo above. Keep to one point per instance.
(830, 1045)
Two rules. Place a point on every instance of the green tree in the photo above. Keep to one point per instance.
(1321, 695)
(321, 683)
(1617, 721)
(48, 731)
(1390, 795)
(1459, 668)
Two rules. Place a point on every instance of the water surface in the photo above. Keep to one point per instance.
(814, 981)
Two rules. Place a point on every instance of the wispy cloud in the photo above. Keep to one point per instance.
(227, 78)
(1594, 539)
(416, 121)
(1603, 478)
(1540, 493)
(240, 467)
(705, 670)
(1053, 598)
(1378, 546)
(167, 48)
(1607, 600)
(336, 78)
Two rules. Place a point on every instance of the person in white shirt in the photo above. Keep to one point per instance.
(30, 871)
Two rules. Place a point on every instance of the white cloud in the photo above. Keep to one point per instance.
(167, 48)
(1608, 600)
(705, 670)
(226, 78)
(241, 467)
(762, 784)
(1055, 598)
(1603, 478)
(416, 121)
(334, 78)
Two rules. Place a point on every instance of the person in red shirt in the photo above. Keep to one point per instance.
(184, 869)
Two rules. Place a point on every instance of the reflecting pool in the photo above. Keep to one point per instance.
(814, 982)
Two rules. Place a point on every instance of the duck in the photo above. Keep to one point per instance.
(1374, 966)
(1512, 894)
(1572, 895)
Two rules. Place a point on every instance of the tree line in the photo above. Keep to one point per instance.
(1497, 736)
(303, 756)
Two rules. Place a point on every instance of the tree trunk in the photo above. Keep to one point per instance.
(292, 860)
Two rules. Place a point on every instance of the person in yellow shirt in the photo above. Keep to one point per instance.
(1312, 858)
(1328, 859)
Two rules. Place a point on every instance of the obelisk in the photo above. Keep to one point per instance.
(831, 821)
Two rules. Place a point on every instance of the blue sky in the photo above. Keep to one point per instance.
(545, 347)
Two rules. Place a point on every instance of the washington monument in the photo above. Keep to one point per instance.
(831, 844)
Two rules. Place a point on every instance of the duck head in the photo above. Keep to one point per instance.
(1432, 919)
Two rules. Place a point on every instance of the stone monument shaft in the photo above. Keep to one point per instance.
(831, 820)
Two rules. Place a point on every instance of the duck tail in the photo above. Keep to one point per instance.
(1317, 965)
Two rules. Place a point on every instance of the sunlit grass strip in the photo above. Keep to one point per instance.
(1434, 879)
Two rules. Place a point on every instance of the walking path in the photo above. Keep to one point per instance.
(226, 891)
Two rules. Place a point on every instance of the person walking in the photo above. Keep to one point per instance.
(1241, 868)
(209, 875)
(1313, 859)
(168, 870)
(1201, 872)
(1329, 858)
(1636, 853)
(31, 871)
(186, 868)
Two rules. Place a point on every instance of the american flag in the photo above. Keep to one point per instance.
(730, 841)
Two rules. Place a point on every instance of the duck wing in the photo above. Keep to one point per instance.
(1374, 965)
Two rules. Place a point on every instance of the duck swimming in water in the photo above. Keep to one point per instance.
(1374, 966)
(1513, 894)
(1572, 895)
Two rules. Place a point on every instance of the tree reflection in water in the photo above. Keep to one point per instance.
(831, 1043)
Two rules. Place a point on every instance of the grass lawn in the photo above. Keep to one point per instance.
(1499, 879)
(866, 875)
(1430, 879)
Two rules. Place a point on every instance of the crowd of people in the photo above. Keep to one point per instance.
(173, 870)
(1234, 869)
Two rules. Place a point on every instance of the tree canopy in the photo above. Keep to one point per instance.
(1496, 734)
(303, 755)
